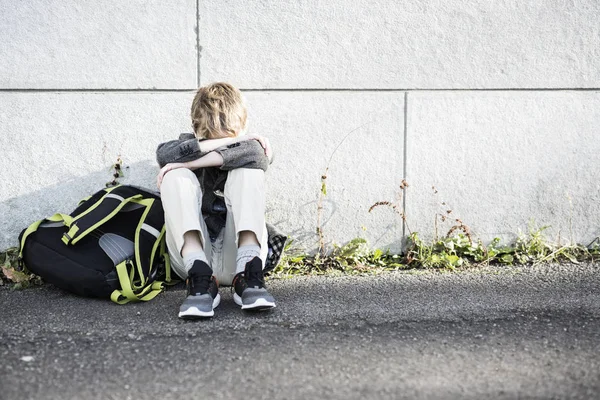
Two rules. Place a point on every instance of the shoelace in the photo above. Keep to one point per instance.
(200, 283)
(255, 278)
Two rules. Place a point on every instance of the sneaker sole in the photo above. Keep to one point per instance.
(258, 305)
(194, 313)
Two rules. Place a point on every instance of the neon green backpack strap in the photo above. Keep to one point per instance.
(64, 218)
(97, 214)
(165, 254)
(148, 235)
(126, 274)
(136, 276)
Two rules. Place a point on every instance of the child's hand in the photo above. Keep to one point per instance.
(167, 168)
(264, 142)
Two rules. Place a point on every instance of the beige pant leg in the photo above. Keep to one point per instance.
(245, 201)
(182, 201)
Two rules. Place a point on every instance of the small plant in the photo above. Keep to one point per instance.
(460, 249)
(11, 271)
(322, 250)
(533, 246)
(446, 215)
(117, 172)
(355, 257)
(454, 251)
(396, 206)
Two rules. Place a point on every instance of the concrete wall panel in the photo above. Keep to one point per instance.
(500, 159)
(108, 44)
(58, 147)
(401, 44)
(305, 128)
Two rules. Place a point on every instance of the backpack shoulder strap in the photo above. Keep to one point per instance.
(149, 235)
(65, 219)
(105, 207)
(137, 276)
(128, 292)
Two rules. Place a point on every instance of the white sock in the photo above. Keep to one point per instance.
(188, 259)
(244, 255)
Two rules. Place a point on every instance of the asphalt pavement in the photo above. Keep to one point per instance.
(499, 333)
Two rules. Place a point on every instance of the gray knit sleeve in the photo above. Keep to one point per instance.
(246, 154)
(181, 150)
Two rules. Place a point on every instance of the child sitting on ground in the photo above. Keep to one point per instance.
(212, 186)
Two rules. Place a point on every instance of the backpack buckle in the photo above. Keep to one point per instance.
(66, 238)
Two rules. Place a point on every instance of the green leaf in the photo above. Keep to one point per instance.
(14, 275)
(324, 188)
(571, 257)
(377, 254)
(453, 260)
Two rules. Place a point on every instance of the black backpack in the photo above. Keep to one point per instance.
(112, 245)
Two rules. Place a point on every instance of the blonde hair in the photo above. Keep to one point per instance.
(218, 111)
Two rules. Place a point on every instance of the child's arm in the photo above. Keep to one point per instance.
(248, 152)
(226, 158)
(178, 151)
(212, 159)
(245, 154)
(207, 145)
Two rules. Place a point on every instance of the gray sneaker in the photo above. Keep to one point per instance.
(250, 292)
(202, 293)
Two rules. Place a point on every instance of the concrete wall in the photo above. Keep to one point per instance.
(494, 104)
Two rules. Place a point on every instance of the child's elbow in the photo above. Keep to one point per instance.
(263, 163)
(161, 158)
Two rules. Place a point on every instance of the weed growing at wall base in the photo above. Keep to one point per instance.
(457, 250)
(11, 272)
(357, 258)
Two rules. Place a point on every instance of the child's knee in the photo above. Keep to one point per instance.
(245, 181)
(246, 174)
(179, 176)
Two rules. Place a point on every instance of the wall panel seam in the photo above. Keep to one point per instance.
(41, 90)
(404, 161)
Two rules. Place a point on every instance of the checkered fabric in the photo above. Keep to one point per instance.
(276, 242)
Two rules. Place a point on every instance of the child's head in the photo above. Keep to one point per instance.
(218, 111)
